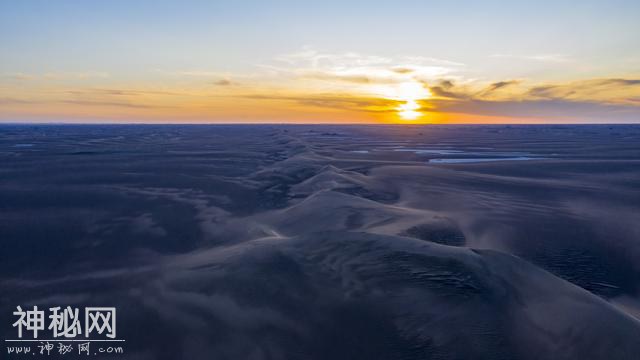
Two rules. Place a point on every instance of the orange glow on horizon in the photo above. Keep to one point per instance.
(383, 103)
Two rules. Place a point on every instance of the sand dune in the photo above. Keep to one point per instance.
(319, 242)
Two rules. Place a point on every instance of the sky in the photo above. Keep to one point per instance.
(320, 61)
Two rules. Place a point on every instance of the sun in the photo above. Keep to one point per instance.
(410, 93)
(407, 94)
(409, 110)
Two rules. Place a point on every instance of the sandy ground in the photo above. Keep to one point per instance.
(330, 242)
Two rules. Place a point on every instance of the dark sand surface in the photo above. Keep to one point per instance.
(330, 242)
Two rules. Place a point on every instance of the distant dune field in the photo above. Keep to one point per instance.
(330, 242)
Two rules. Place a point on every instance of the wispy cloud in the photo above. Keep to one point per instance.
(14, 101)
(499, 85)
(353, 67)
(119, 92)
(109, 104)
(81, 75)
(594, 99)
(580, 111)
(334, 101)
(549, 58)
(614, 90)
(308, 82)
(224, 82)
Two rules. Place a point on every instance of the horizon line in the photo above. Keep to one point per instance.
(313, 123)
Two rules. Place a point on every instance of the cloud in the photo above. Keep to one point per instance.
(108, 103)
(195, 73)
(220, 78)
(539, 108)
(80, 102)
(620, 82)
(593, 89)
(356, 68)
(499, 85)
(119, 92)
(356, 76)
(448, 90)
(223, 82)
(309, 80)
(76, 75)
(14, 101)
(402, 70)
(57, 75)
(549, 58)
(605, 100)
(311, 57)
(334, 101)
(442, 92)
(18, 76)
(611, 90)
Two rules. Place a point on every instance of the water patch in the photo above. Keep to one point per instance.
(431, 151)
(477, 160)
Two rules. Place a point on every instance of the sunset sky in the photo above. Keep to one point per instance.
(320, 61)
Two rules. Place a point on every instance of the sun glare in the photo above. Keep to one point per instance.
(408, 110)
(408, 93)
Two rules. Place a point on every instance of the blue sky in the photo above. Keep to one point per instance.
(143, 45)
